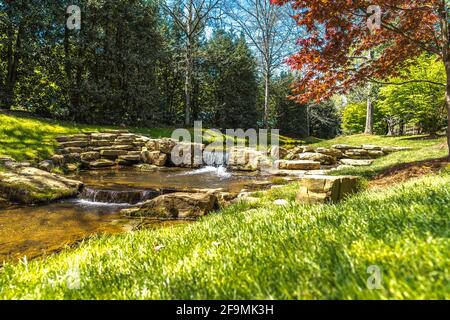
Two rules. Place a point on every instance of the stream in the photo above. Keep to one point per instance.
(33, 231)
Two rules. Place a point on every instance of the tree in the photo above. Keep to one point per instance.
(230, 82)
(418, 102)
(338, 33)
(269, 29)
(191, 16)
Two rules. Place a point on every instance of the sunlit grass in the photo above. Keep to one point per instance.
(262, 251)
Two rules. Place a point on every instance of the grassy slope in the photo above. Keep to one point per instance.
(424, 148)
(24, 137)
(261, 251)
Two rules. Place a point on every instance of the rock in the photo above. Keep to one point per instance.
(104, 136)
(178, 205)
(100, 143)
(297, 165)
(102, 163)
(156, 158)
(129, 159)
(292, 155)
(225, 199)
(322, 158)
(75, 144)
(371, 147)
(113, 154)
(248, 159)
(345, 147)
(30, 185)
(356, 153)
(258, 185)
(374, 154)
(187, 155)
(317, 189)
(90, 156)
(71, 150)
(46, 165)
(71, 167)
(58, 160)
(72, 158)
(356, 163)
(278, 153)
(336, 153)
(3, 160)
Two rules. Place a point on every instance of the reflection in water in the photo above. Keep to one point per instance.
(33, 231)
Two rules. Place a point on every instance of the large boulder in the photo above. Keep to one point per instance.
(319, 157)
(317, 189)
(278, 153)
(248, 159)
(297, 165)
(179, 205)
(29, 185)
(156, 158)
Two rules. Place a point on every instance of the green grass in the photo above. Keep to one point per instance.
(423, 148)
(24, 138)
(261, 251)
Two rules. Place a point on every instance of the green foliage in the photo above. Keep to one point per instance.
(354, 119)
(262, 251)
(291, 118)
(229, 83)
(417, 102)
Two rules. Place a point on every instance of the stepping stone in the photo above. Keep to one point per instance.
(102, 163)
(356, 163)
(297, 165)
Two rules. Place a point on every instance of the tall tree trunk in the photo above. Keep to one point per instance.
(370, 111)
(189, 65)
(369, 117)
(188, 85)
(446, 54)
(14, 55)
(447, 103)
(266, 99)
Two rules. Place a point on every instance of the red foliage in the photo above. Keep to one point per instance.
(337, 33)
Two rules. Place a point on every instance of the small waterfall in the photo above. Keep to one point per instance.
(117, 197)
(216, 158)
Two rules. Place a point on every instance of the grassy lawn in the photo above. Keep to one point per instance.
(261, 251)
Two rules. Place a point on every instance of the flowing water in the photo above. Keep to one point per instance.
(33, 231)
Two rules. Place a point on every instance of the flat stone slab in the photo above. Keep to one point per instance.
(102, 163)
(356, 162)
(297, 165)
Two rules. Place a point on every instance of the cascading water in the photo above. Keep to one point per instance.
(215, 162)
(128, 197)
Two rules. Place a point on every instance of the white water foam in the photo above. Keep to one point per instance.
(221, 172)
(87, 203)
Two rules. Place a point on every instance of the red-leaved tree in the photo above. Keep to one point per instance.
(333, 56)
